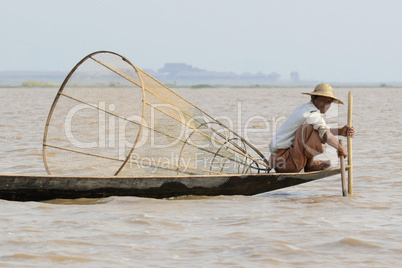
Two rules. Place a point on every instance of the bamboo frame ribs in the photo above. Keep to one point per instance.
(149, 91)
(223, 143)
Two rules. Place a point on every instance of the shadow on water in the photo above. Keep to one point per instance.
(79, 201)
(99, 201)
(289, 194)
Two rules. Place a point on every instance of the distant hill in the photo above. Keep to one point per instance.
(185, 74)
(174, 74)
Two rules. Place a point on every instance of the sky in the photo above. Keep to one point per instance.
(330, 41)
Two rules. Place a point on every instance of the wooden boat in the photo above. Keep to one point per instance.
(167, 123)
(47, 187)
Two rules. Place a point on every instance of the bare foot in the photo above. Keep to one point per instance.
(317, 165)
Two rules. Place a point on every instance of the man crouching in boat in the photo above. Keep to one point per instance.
(301, 136)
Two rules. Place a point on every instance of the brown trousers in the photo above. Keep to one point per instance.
(306, 145)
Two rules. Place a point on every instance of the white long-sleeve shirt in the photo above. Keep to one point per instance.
(304, 114)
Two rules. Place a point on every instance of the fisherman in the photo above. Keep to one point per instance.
(301, 136)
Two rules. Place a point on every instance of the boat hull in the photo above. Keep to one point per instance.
(46, 187)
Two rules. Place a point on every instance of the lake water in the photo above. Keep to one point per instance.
(310, 225)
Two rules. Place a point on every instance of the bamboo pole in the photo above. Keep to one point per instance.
(350, 158)
(343, 173)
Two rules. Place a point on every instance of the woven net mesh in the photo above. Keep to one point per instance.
(111, 118)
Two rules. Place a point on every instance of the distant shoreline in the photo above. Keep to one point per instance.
(34, 85)
(56, 78)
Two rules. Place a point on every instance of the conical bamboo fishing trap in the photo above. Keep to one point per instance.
(111, 118)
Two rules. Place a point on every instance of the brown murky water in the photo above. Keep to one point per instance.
(310, 225)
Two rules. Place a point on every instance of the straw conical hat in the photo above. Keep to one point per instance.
(324, 90)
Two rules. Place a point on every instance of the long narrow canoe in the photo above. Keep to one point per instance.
(47, 187)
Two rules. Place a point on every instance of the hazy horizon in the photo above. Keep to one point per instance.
(333, 41)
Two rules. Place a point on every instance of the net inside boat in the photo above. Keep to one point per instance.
(111, 118)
